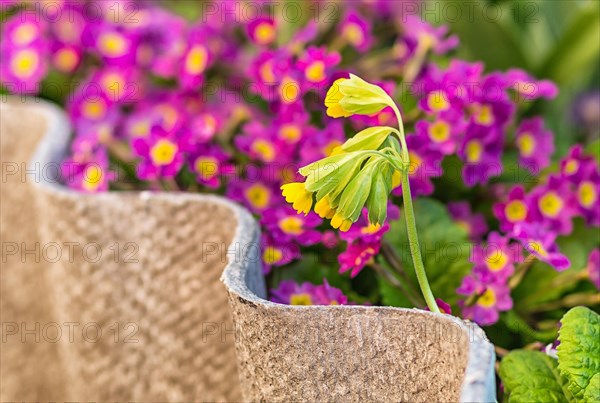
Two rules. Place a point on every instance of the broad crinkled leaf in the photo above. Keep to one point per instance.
(579, 352)
(532, 376)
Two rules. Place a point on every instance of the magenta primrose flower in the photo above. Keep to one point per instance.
(488, 299)
(535, 144)
(317, 65)
(356, 31)
(284, 224)
(161, 153)
(554, 205)
(210, 164)
(540, 242)
(587, 193)
(495, 260)
(291, 293)
(425, 163)
(276, 253)
(262, 31)
(514, 210)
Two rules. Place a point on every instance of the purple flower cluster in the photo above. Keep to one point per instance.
(162, 103)
(534, 220)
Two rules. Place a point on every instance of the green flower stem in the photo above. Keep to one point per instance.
(411, 226)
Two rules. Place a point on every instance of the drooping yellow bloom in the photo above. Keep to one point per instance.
(332, 101)
(340, 222)
(323, 208)
(297, 194)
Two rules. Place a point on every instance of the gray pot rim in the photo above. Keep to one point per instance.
(243, 277)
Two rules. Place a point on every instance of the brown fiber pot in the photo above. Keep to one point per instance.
(136, 290)
(351, 353)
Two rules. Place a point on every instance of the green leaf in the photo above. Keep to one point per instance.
(532, 376)
(444, 246)
(369, 139)
(577, 50)
(579, 352)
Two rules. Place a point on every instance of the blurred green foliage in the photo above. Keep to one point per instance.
(553, 39)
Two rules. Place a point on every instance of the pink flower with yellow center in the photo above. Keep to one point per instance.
(67, 58)
(161, 153)
(115, 45)
(541, 242)
(553, 205)
(194, 64)
(90, 175)
(481, 150)
(317, 65)
(514, 210)
(495, 259)
(23, 69)
(275, 253)
(588, 195)
(486, 297)
(535, 144)
(209, 163)
(284, 224)
(356, 31)
(291, 293)
(262, 31)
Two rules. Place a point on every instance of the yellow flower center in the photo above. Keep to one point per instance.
(93, 109)
(113, 83)
(587, 194)
(24, 34)
(265, 149)
(571, 167)
(353, 33)
(315, 72)
(484, 115)
(370, 229)
(538, 248)
(290, 132)
(266, 72)
(487, 299)
(196, 60)
(415, 162)
(515, 211)
(92, 178)
(473, 151)
(291, 225)
(163, 152)
(289, 90)
(439, 131)
(526, 144)
(496, 261)
(24, 63)
(258, 195)
(66, 59)
(437, 101)
(551, 204)
(301, 299)
(113, 44)
(264, 33)
(206, 166)
(272, 255)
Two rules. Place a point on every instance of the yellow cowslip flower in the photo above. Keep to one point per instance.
(323, 208)
(332, 101)
(350, 96)
(341, 223)
(297, 194)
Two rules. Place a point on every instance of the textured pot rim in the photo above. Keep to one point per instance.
(479, 378)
